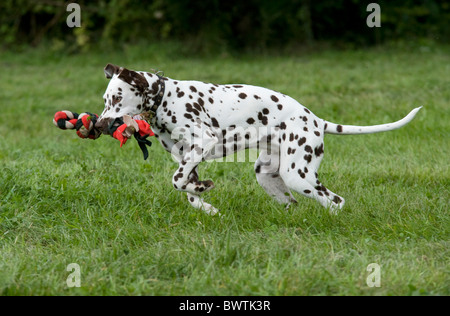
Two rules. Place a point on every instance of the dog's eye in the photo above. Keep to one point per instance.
(116, 100)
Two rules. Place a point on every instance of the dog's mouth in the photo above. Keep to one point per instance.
(105, 125)
(108, 125)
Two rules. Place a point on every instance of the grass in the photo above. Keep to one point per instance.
(65, 200)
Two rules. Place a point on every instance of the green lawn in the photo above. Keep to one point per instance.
(66, 200)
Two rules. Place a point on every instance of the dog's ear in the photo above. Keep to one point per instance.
(111, 70)
(134, 78)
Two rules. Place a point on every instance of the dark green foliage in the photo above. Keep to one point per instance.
(232, 24)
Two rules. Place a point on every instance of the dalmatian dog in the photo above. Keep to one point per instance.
(197, 121)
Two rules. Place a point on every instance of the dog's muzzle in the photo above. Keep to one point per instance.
(103, 125)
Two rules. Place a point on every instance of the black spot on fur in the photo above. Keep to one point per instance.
(214, 122)
(250, 120)
(197, 106)
(155, 87)
(262, 118)
(308, 149)
(307, 158)
(318, 150)
(242, 95)
(339, 128)
(337, 199)
(274, 98)
(320, 187)
(301, 141)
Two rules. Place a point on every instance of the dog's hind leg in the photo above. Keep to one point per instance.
(268, 177)
(298, 169)
(297, 180)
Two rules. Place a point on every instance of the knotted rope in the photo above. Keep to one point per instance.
(121, 128)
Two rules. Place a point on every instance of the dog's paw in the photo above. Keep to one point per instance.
(335, 208)
(210, 210)
(206, 185)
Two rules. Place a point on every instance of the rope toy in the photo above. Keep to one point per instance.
(83, 123)
(121, 128)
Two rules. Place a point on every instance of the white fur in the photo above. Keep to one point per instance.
(198, 121)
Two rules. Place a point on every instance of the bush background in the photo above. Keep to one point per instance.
(216, 25)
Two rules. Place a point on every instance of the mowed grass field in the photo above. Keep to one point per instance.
(66, 200)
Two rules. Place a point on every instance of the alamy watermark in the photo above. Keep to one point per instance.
(374, 278)
(213, 144)
(374, 18)
(74, 18)
(74, 278)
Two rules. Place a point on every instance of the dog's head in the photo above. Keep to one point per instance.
(128, 93)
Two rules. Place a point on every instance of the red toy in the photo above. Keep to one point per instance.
(84, 124)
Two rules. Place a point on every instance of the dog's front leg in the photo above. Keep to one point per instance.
(186, 178)
(193, 184)
(197, 202)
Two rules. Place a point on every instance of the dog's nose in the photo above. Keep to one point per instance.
(102, 125)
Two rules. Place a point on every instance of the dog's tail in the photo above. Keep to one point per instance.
(337, 129)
